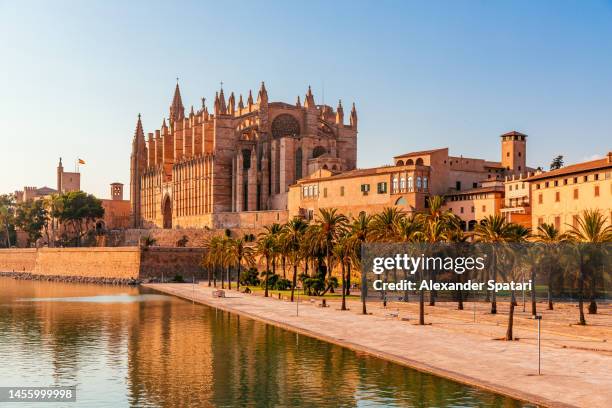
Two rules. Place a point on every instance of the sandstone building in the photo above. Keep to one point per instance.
(473, 187)
(558, 197)
(234, 166)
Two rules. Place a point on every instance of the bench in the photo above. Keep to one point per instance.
(218, 293)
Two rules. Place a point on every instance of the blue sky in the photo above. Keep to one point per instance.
(423, 75)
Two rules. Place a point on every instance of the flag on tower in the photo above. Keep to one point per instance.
(81, 161)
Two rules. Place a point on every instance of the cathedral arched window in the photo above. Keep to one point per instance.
(285, 125)
(318, 151)
(246, 159)
(298, 163)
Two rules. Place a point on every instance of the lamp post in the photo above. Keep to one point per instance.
(297, 304)
(539, 319)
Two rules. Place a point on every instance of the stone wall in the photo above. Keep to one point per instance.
(156, 262)
(17, 260)
(104, 264)
(118, 263)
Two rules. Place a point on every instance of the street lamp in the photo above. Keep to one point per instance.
(538, 317)
(297, 304)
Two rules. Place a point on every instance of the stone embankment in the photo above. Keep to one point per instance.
(103, 265)
(70, 279)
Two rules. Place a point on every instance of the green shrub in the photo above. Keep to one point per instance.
(250, 277)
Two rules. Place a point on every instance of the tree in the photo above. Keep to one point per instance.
(32, 216)
(590, 228)
(266, 247)
(557, 163)
(550, 237)
(7, 218)
(76, 210)
(360, 231)
(292, 238)
(332, 226)
(495, 230)
(240, 251)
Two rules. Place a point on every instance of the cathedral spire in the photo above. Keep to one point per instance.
(340, 113)
(139, 133)
(262, 96)
(231, 104)
(240, 103)
(309, 100)
(222, 105)
(250, 100)
(298, 103)
(177, 110)
(353, 118)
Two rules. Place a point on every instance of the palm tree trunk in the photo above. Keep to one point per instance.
(229, 277)
(283, 265)
(222, 278)
(239, 270)
(432, 292)
(549, 291)
(215, 276)
(343, 286)
(267, 273)
(295, 268)
(209, 276)
(348, 279)
(581, 293)
(509, 335)
(422, 307)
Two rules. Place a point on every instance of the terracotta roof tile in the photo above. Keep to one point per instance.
(421, 152)
(575, 168)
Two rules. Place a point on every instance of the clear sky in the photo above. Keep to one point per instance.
(75, 75)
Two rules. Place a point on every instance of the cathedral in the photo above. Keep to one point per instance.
(235, 164)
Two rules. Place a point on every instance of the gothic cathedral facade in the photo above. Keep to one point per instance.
(203, 169)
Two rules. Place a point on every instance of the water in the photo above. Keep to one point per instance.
(133, 347)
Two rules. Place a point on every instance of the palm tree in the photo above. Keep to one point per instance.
(212, 259)
(332, 226)
(292, 237)
(266, 247)
(385, 223)
(342, 252)
(239, 250)
(549, 236)
(437, 225)
(495, 230)
(360, 231)
(275, 230)
(590, 228)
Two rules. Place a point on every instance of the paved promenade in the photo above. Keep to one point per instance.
(570, 377)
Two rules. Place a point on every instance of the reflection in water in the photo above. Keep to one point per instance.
(129, 346)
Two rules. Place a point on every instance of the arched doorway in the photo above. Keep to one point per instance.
(167, 212)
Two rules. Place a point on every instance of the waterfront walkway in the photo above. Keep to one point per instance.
(570, 377)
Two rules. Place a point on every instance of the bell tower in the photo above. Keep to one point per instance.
(514, 152)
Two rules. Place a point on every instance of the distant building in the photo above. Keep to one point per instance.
(473, 187)
(116, 210)
(559, 197)
(66, 181)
